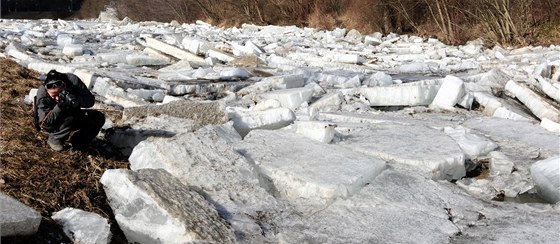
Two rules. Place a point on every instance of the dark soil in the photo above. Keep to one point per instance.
(34, 174)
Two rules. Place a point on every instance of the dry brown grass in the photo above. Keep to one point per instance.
(320, 20)
(34, 174)
(91, 9)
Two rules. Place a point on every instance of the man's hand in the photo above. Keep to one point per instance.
(67, 100)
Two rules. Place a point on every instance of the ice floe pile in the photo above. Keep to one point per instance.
(283, 134)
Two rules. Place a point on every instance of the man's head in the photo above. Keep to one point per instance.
(54, 83)
(54, 75)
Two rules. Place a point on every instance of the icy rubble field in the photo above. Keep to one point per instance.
(299, 135)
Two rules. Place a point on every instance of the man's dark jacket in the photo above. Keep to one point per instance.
(52, 114)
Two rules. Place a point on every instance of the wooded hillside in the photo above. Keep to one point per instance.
(507, 22)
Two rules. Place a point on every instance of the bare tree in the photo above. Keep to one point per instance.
(440, 12)
(497, 18)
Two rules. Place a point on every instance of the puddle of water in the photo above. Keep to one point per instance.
(407, 78)
(526, 198)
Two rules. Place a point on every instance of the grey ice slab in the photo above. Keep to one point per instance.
(370, 224)
(302, 168)
(125, 138)
(429, 149)
(523, 132)
(512, 223)
(202, 113)
(152, 206)
(399, 206)
(17, 219)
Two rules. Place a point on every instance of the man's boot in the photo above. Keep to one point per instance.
(55, 144)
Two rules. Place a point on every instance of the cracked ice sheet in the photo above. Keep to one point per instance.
(503, 131)
(206, 159)
(301, 168)
(418, 145)
(401, 205)
(506, 222)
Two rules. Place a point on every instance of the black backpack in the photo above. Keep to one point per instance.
(35, 112)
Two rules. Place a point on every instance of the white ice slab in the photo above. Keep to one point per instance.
(144, 60)
(327, 103)
(290, 98)
(114, 57)
(180, 66)
(83, 227)
(546, 175)
(466, 101)
(373, 39)
(423, 67)
(449, 93)
(157, 54)
(222, 56)
(234, 73)
(65, 39)
(245, 120)
(254, 46)
(17, 51)
(115, 94)
(302, 168)
(548, 87)
(350, 83)
(316, 130)
(170, 49)
(45, 67)
(472, 145)
(73, 50)
(538, 106)
(499, 107)
(345, 58)
(543, 70)
(205, 73)
(279, 61)
(196, 45)
(413, 94)
(30, 96)
(148, 95)
(284, 81)
(428, 149)
(494, 78)
(168, 99)
(243, 50)
(550, 125)
(87, 76)
(464, 66)
(378, 79)
(500, 164)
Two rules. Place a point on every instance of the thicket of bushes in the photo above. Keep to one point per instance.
(508, 22)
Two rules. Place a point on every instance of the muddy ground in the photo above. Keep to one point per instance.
(39, 177)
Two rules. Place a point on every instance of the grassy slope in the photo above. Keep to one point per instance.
(32, 173)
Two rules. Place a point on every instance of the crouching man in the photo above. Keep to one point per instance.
(59, 104)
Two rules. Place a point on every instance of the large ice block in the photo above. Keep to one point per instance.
(546, 175)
